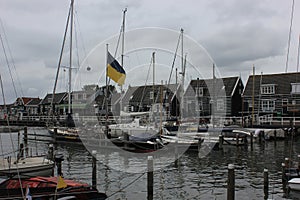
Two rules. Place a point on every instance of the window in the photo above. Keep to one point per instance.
(199, 91)
(151, 95)
(84, 96)
(285, 102)
(220, 105)
(295, 88)
(165, 95)
(200, 106)
(267, 105)
(267, 89)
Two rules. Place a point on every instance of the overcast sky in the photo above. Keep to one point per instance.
(236, 34)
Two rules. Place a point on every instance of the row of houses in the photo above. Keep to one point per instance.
(276, 94)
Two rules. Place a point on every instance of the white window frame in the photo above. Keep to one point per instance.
(151, 95)
(267, 89)
(295, 88)
(267, 105)
(199, 91)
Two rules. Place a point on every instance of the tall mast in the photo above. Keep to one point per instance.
(123, 40)
(153, 84)
(183, 73)
(214, 98)
(106, 94)
(70, 61)
(253, 85)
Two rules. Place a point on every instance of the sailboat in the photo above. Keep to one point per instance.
(69, 132)
(21, 164)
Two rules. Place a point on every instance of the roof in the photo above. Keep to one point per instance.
(142, 93)
(282, 82)
(228, 84)
(58, 97)
(34, 102)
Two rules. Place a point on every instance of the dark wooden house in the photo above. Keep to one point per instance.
(276, 94)
(221, 94)
(149, 97)
(59, 107)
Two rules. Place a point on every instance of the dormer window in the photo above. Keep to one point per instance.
(295, 88)
(267, 89)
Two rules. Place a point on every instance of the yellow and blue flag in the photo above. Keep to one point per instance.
(114, 70)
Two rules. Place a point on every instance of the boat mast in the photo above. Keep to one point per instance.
(70, 62)
(153, 84)
(253, 85)
(59, 62)
(183, 73)
(123, 41)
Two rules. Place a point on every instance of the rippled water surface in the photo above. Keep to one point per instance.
(192, 178)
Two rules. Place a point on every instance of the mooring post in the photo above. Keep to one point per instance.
(251, 139)
(266, 183)
(26, 140)
(54, 138)
(230, 182)
(284, 179)
(94, 171)
(221, 139)
(287, 162)
(150, 178)
(51, 152)
(237, 139)
(275, 135)
(58, 159)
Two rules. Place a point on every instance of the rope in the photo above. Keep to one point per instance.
(120, 190)
(11, 57)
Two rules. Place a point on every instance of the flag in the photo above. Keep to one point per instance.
(28, 194)
(61, 183)
(114, 70)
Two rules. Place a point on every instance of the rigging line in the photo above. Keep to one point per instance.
(59, 61)
(9, 69)
(143, 92)
(11, 57)
(10, 135)
(298, 55)
(289, 38)
(80, 35)
(174, 59)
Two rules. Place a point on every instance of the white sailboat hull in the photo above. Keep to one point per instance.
(31, 166)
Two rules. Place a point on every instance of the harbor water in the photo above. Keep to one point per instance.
(191, 178)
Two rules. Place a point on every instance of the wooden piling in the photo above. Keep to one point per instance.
(54, 138)
(266, 183)
(251, 140)
(287, 162)
(237, 139)
(94, 169)
(58, 160)
(26, 140)
(230, 182)
(221, 140)
(284, 179)
(150, 178)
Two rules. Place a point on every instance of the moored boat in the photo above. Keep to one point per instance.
(46, 188)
